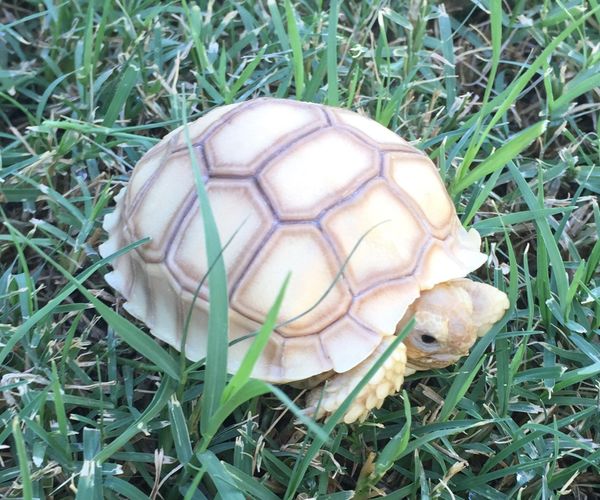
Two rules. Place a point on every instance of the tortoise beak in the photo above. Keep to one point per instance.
(440, 360)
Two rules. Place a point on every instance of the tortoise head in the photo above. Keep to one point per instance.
(448, 320)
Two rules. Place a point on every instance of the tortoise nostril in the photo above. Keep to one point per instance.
(428, 339)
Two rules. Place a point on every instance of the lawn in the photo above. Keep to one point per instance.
(503, 96)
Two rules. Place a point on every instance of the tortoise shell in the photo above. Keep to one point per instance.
(359, 216)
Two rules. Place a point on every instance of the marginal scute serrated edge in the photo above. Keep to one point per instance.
(110, 225)
(467, 250)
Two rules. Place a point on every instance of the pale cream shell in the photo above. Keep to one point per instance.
(294, 187)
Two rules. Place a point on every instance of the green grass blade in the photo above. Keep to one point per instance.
(251, 389)
(562, 12)
(123, 488)
(515, 63)
(523, 439)
(572, 377)
(310, 424)
(179, 431)
(224, 483)
(23, 459)
(248, 484)
(449, 59)
(216, 356)
(194, 21)
(296, 44)
(559, 479)
(278, 26)
(436, 431)
(508, 97)
(126, 83)
(246, 73)
(590, 350)
(88, 44)
(496, 224)
(545, 233)
(46, 95)
(506, 153)
(57, 198)
(243, 373)
(473, 362)
(332, 73)
(54, 446)
(59, 406)
(136, 338)
(89, 485)
(581, 84)
(396, 446)
(99, 41)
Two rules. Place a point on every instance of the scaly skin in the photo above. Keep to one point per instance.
(448, 320)
(387, 380)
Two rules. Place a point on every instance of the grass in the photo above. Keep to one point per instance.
(504, 98)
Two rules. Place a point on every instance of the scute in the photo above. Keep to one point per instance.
(439, 265)
(374, 215)
(453, 258)
(199, 129)
(195, 348)
(418, 179)
(138, 284)
(303, 357)
(346, 343)
(163, 206)
(163, 298)
(373, 131)
(301, 250)
(317, 172)
(381, 307)
(256, 132)
(145, 170)
(243, 222)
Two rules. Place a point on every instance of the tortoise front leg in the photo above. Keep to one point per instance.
(387, 380)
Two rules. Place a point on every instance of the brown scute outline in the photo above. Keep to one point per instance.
(329, 118)
(411, 203)
(428, 236)
(188, 205)
(385, 147)
(342, 279)
(389, 148)
(276, 148)
(213, 127)
(166, 152)
(234, 285)
(169, 256)
(299, 143)
(172, 228)
(351, 317)
(360, 323)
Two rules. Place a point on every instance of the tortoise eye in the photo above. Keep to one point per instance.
(428, 339)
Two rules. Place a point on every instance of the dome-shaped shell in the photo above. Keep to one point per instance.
(359, 216)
